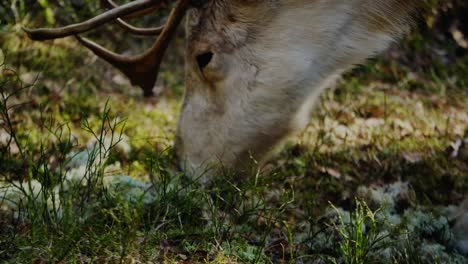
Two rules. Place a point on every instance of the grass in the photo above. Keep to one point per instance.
(360, 237)
(87, 172)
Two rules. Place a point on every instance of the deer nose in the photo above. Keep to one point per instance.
(204, 59)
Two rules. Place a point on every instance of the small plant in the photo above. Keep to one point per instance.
(53, 199)
(360, 235)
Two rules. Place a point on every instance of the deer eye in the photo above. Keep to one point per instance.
(204, 59)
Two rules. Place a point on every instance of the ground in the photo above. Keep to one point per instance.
(87, 172)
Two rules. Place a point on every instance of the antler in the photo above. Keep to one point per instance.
(142, 70)
(143, 12)
(139, 31)
(132, 29)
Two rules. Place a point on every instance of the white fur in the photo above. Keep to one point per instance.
(270, 65)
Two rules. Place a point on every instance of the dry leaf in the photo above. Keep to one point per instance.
(413, 157)
(459, 37)
(332, 172)
(405, 127)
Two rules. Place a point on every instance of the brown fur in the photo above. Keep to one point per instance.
(389, 15)
(272, 58)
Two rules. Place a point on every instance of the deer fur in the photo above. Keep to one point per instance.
(271, 60)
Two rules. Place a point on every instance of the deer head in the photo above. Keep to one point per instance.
(253, 67)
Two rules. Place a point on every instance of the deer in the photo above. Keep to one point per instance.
(254, 68)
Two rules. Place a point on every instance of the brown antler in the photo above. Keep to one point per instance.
(142, 70)
(139, 31)
(143, 12)
(130, 28)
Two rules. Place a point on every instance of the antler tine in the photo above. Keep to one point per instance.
(121, 11)
(139, 31)
(130, 28)
(142, 70)
(138, 14)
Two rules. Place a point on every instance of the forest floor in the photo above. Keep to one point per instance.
(87, 172)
